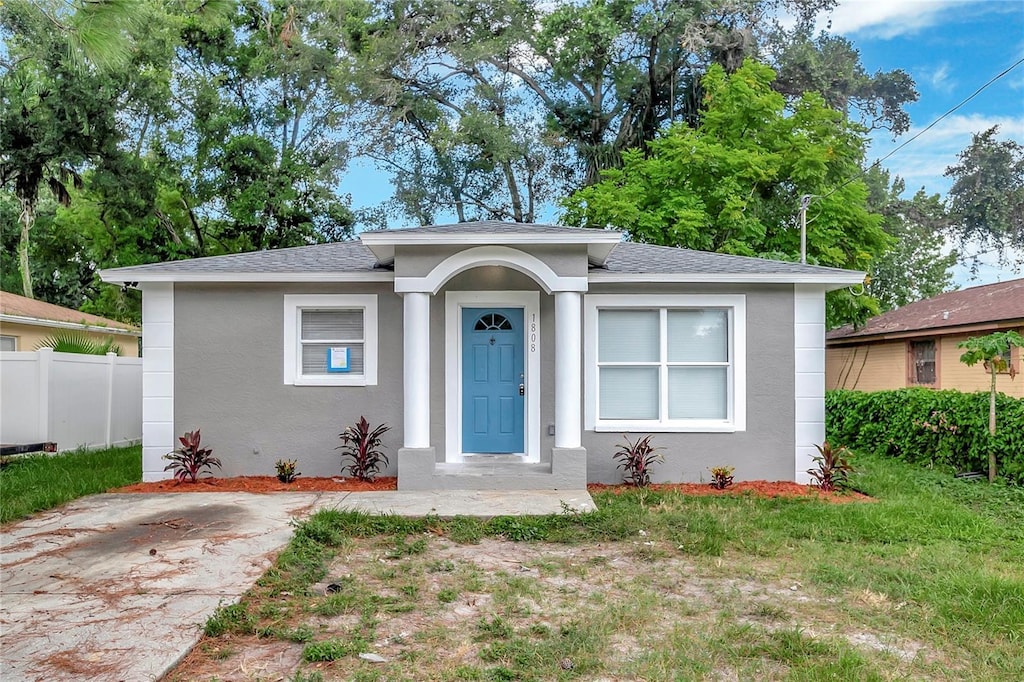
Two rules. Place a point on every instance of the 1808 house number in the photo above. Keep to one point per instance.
(533, 332)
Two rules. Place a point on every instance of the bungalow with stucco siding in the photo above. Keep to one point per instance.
(505, 356)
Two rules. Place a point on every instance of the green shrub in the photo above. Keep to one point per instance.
(924, 426)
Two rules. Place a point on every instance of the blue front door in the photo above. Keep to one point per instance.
(492, 380)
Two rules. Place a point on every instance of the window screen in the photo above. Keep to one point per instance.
(922, 362)
(8, 343)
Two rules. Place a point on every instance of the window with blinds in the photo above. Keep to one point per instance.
(330, 339)
(322, 330)
(663, 365)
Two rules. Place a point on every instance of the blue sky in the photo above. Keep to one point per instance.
(949, 47)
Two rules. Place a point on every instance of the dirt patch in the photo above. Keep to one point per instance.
(767, 489)
(262, 484)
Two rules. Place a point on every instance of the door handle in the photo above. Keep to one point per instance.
(522, 389)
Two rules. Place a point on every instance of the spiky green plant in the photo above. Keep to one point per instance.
(73, 341)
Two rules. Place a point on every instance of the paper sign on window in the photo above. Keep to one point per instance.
(337, 359)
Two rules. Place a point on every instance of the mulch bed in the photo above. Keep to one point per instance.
(262, 484)
(767, 489)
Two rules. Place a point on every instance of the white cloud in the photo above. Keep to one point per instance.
(887, 18)
(923, 162)
(939, 78)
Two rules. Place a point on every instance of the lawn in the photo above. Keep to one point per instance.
(35, 482)
(927, 582)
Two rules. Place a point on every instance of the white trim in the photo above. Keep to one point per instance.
(809, 363)
(735, 303)
(58, 324)
(490, 255)
(454, 302)
(830, 281)
(123, 275)
(294, 303)
(568, 370)
(157, 379)
(416, 363)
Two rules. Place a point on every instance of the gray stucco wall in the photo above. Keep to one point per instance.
(228, 359)
(228, 379)
(766, 450)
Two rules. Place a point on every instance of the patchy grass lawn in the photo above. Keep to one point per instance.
(925, 583)
(33, 483)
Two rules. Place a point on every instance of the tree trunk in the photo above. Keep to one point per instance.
(27, 219)
(992, 426)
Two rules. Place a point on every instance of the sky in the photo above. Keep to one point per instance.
(949, 47)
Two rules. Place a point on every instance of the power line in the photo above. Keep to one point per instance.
(930, 125)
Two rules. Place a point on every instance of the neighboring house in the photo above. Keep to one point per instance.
(916, 345)
(25, 322)
(504, 355)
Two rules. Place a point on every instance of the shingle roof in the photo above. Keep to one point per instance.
(631, 258)
(353, 258)
(20, 306)
(349, 256)
(977, 305)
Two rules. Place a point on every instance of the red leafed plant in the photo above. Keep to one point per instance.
(635, 460)
(721, 477)
(188, 461)
(832, 470)
(363, 445)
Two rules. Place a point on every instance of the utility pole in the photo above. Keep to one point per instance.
(805, 201)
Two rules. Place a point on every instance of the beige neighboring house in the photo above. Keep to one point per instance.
(25, 322)
(916, 345)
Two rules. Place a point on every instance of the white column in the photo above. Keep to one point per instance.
(158, 437)
(416, 338)
(568, 359)
(809, 349)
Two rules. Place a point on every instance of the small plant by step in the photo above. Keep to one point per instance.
(832, 470)
(721, 477)
(189, 460)
(635, 460)
(286, 472)
(363, 446)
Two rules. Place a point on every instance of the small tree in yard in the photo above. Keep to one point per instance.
(991, 350)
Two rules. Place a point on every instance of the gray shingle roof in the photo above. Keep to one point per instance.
(631, 258)
(337, 257)
(353, 258)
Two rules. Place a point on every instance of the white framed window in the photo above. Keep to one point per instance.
(665, 362)
(330, 340)
(8, 342)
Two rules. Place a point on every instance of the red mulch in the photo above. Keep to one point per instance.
(755, 488)
(262, 484)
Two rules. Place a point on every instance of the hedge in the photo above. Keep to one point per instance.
(924, 426)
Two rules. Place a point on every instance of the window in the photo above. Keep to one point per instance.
(8, 342)
(330, 340)
(922, 362)
(670, 363)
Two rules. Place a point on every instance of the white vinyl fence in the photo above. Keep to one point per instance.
(74, 400)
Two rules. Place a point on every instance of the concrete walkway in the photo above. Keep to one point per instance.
(117, 587)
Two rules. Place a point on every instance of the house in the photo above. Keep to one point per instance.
(916, 345)
(25, 322)
(504, 355)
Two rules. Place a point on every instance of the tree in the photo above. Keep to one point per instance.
(992, 351)
(830, 65)
(54, 117)
(914, 266)
(733, 183)
(987, 197)
(256, 140)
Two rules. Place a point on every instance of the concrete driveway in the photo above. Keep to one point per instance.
(117, 587)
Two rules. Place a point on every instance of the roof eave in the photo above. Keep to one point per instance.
(128, 276)
(830, 281)
(64, 324)
(874, 337)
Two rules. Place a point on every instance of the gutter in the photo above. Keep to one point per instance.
(40, 322)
